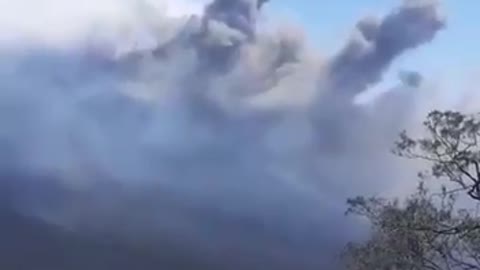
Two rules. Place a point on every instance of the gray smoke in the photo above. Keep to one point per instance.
(377, 43)
(236, 143)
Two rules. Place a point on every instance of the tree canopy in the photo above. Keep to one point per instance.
(429, 229)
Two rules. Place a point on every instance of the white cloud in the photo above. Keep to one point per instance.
(59, 21)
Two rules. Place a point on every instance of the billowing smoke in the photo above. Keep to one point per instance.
(240, 145)
(377, 43)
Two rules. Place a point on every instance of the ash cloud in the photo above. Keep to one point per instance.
(376, 44)
(238, 145)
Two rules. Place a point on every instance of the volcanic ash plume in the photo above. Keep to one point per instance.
(227, 138)
(377, 43)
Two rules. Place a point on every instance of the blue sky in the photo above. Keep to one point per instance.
(455, 51)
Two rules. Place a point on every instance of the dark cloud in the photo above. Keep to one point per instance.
(238, 145)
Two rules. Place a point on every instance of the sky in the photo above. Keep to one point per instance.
(452, 59)
(329, 22)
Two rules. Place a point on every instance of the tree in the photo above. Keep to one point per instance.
(451, 146)
(428, 230)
